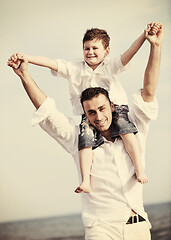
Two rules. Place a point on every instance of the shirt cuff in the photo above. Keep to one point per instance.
(53, 72)
(150, 109)
(122, 67)
(43, 111)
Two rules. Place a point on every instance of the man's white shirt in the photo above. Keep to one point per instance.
(115, 190)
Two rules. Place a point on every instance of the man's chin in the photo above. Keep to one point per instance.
(101, 128)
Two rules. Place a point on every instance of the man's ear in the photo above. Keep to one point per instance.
(107, 51)
(112, 106)
(86, 117)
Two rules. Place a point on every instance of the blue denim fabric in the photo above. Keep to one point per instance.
(123, 125)
(90, 137)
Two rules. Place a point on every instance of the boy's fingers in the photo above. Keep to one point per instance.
(154, 31)
(146, 31)
(148, 26)
(19, 55)
(14, 57)
(154, 28)
(152, 24)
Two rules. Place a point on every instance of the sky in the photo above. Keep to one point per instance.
(37, 177)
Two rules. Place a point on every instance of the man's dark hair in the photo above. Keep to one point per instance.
(96, 33)
(89, 93)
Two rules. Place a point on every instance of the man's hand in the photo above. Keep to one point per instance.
(19, 63)
(14, 60)
(154, 33)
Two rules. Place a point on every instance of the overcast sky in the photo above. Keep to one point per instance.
(37, 177)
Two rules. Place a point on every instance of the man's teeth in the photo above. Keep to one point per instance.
(101, 122)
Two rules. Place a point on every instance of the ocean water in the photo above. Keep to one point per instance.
(70, 227)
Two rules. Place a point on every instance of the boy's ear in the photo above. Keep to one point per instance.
(107, 51)
(112, 106)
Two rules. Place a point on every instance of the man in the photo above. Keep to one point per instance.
(114, 209)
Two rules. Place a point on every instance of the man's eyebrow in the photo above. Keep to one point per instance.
(101, 106)
(90, 111)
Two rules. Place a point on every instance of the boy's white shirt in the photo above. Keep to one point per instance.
(80, 76)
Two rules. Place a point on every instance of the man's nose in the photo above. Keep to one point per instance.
(98, 116)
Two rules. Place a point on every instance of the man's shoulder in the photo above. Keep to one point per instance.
(141, 111)
(62, 128)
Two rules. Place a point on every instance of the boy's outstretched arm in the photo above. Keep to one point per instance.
(34, 92)
(153, 67)
(136, 45)
(37, 60)
(132, 50)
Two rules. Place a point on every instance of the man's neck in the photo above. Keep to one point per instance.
(107, 135)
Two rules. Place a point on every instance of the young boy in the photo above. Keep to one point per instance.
(97, 71)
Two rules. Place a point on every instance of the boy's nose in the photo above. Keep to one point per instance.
(90, 51)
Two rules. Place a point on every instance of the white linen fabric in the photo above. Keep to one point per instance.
(115, 190)
(80, 76)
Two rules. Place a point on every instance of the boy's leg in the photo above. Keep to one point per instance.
(86, 157)
(86, 138)
(132, 148)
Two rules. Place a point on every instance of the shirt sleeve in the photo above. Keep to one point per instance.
(117, 66)
(142, 112)
(57, 125)
(64, 68)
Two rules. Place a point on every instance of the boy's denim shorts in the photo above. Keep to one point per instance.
(90, 137)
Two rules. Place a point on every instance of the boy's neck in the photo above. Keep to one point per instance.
(93, 67)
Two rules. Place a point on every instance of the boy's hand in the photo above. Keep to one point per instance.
(14, 61)
(23, 63)
(154, 33)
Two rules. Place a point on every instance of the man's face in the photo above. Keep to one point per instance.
(94, 52)
(99, 112)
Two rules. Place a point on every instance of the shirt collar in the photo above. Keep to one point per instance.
(106, 60)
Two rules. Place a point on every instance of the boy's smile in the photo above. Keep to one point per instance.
(94, 53)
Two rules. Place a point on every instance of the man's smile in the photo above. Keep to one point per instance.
(101, 123)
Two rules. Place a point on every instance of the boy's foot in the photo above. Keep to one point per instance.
(142, 178)
(85, 188)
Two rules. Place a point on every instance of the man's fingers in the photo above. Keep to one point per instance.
(16, 56)
(12, 64)
(15, 61)
(154, 28)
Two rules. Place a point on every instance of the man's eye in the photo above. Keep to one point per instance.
(91, 113)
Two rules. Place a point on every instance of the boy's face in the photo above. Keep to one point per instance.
(99, 112)
(94, 52)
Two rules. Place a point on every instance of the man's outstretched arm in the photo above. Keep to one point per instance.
(56, 124)
(34, 92)
(153, 67)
